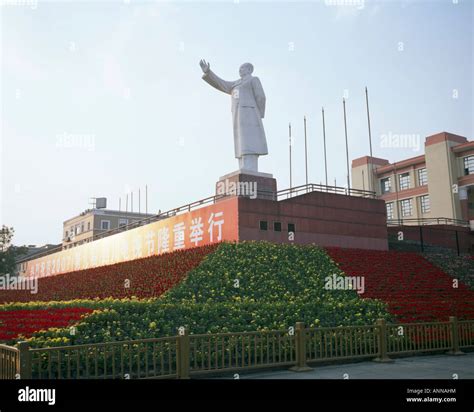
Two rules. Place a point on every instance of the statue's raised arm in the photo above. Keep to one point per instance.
(214, 80)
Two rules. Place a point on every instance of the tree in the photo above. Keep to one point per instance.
(8, 253)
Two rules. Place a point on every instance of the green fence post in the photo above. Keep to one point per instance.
(300, 346)
(24, 364)
(182, 354)
(381, 330)
(454, 331)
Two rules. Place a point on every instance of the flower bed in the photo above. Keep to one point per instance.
(15, 324)
(260, 286)
(459, 267)
(240, 287)
(414, 289)
(142, 278)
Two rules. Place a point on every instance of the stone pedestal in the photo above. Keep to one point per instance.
(254, 185)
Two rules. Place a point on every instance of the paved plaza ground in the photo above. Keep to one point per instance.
(419, 367)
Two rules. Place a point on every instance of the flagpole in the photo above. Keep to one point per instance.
(146, 199)
(347, 146)
(289, 131)
(324, 140)
(371, 180)
(305, 151)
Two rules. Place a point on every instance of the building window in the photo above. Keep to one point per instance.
(404, 181)
(105, 224)
(277, 226)
(82, 228)
(88, 225)
(389, 207)
(263, 225)
(291, 227)
(385, 185)
(406, 206)
(422, 177)
(425, 204)
(468, 165)
(123, 222)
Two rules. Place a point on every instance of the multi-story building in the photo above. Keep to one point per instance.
(438, 184)
(92, 222)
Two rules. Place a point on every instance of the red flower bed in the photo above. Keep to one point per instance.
(26, 322)
(414, 289)
(143, 278)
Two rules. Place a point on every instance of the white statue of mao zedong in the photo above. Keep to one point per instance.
(248, 110)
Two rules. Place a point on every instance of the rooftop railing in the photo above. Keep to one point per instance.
(313, 187)
(428, 221)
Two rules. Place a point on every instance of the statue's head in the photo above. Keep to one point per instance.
(246, 69)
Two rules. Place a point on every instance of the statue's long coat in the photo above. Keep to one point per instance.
(248, 110)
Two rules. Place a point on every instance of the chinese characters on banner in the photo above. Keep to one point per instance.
(210, 224)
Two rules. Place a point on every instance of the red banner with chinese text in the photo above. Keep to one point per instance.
(210, 224)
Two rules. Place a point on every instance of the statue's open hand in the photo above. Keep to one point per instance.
(205, 66)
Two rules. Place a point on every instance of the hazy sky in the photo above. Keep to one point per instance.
(100, 98)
